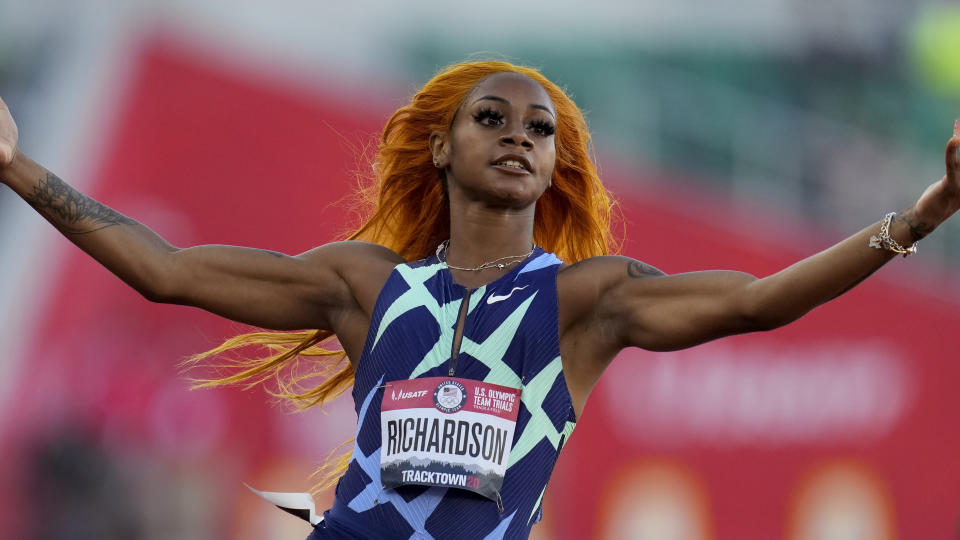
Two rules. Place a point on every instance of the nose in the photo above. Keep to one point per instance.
(515, 135)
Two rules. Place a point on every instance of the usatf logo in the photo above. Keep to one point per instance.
(450, 396)
(397, 396)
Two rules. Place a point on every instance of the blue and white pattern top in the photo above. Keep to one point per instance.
(511, 338)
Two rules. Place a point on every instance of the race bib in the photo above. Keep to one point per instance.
(448, 432)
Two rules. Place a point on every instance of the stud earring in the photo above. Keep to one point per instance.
(436, 163)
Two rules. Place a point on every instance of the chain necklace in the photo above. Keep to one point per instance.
(442, 250)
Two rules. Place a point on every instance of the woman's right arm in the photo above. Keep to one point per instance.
(252, 286)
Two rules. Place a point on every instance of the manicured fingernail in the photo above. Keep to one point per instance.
(956, 128)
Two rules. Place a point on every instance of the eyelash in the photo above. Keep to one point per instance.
(487, 116)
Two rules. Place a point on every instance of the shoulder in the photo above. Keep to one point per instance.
(353, 250)
(604, 271)
(581, 286)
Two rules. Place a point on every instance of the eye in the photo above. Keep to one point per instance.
(489, 117)
(542, 128)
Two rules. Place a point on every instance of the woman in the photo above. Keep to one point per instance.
(470, 365)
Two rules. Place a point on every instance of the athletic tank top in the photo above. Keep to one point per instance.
(510, 337)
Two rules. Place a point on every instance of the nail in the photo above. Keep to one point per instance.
(956, 128)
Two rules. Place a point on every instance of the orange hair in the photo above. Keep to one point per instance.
(408, 212)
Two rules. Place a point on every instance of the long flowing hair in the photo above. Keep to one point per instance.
(401, 198)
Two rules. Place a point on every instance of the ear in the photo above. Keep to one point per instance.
(440, 148)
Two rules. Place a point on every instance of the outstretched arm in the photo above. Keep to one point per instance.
(639, 306)
(252, 286)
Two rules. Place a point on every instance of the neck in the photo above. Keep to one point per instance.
(480, 234)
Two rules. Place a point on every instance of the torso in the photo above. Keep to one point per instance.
(510, 337)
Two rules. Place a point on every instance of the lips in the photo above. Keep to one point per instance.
(513, 163)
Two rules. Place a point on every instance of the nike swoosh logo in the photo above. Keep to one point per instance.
(493, 299)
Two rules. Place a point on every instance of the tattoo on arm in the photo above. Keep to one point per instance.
(72, 211)
(637, 269)
(918, 229)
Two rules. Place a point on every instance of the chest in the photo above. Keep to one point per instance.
(425, 324)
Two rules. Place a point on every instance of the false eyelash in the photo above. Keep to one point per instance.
(488, 113)
(543, 127)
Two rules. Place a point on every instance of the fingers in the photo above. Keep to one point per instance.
(953, 156)
(8, 136)
(953, 151)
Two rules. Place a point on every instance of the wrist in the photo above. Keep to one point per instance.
(8, 170)
(20, 173)
(5, 167)
(916, 225)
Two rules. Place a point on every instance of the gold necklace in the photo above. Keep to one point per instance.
(442, 250)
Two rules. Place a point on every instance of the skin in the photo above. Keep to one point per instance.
(606, 303)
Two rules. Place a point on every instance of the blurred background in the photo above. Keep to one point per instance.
(739, 135)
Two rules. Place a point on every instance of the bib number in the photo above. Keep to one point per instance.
(447, 432)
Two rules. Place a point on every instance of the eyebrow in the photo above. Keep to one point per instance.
(532, 106)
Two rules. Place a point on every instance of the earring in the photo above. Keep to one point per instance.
(436, 162)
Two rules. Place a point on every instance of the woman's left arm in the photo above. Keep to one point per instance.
(661, 312)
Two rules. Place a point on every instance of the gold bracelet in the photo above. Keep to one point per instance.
(883, 240)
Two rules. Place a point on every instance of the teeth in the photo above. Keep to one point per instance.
(512, 163)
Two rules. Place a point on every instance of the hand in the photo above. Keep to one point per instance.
(8, 136)
(942, 198)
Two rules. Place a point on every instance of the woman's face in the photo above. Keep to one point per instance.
(500, 148)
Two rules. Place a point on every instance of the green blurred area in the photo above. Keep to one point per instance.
(935, 48)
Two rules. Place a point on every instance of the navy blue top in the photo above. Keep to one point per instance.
(512, 341)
